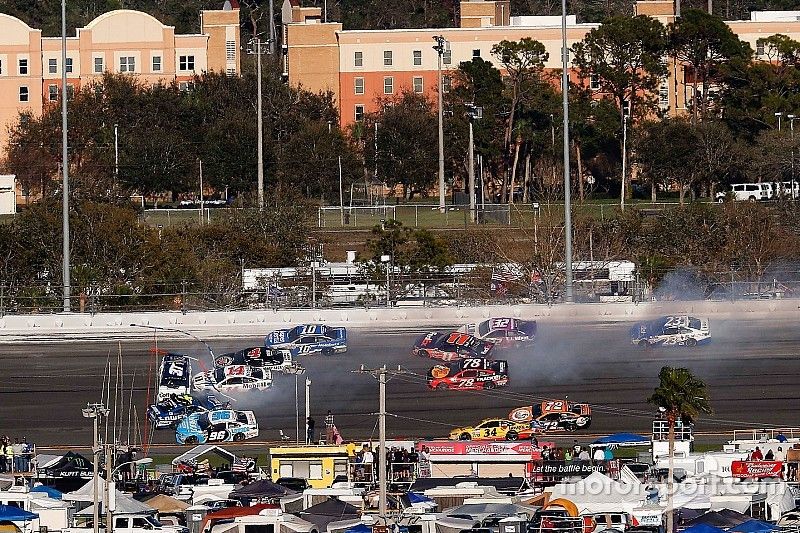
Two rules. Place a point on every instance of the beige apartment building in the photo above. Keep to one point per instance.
(363, 66)
(123, 41)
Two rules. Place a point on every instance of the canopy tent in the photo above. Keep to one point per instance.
(166, 504)
(598, 493)
(754, 526)
(86, 492)
(15, 514)
(233, 512)
(479, 511)
(70, 464)
(330, 510)
(415, 497)
(124, 505)
(718, 519)
(506, 485)
(203, 449)
(703, 528)
(622, 440)
(50, 492)
(360, 528)
(261, 490)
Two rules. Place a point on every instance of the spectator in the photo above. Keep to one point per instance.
(329, 437)
(781, 437)
(28, 450)
(2, 454)
(368, 459)
(770, 456)
(576, 448)
(583, 455)
(19, 459)
(310, 430)
(609, 455)
(568, 454)
(780, 455)
(599, 455)
(546, 454)
(757, 455)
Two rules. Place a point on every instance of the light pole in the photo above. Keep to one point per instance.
(624, 158)
(65, 274)
(791, 128)
(441, 45)
(778, 115)
(568, 297)
(260, 119)
(95, 411)
(309, 438)
(116, 155)
(474, 113)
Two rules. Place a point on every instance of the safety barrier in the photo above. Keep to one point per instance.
(219, 324)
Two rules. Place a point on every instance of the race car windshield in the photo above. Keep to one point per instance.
(203, 421)
(483, 328)
(219, 374)
(694, 323)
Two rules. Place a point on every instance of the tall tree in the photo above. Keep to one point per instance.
(682, 396)
(701, 42)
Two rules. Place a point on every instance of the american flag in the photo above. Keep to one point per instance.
(243, 464)
(501, 275)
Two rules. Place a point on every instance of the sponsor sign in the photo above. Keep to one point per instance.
(565, 468)
(756, 469)
(484, 448)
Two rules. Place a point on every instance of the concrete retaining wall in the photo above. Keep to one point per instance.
(218, 324)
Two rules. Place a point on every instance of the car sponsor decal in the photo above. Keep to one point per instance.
(223, 360)
(521, 414)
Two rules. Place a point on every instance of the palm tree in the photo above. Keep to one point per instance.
(682, 396)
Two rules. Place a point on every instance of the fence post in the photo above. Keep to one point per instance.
(416, 216)
(169, 217)
(183, 297)
(2, 299)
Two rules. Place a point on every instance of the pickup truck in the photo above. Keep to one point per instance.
(132, 524)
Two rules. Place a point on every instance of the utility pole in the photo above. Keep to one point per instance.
(308, 406)
(201, 192)
(116, 155)
(272, 36)
(111, 488)
(380, 373)
(474, 113)
(65, 274)
(568, 296)
(95, 411)
(341, 194)
(255, 44)
(624, 159)
(441, 46)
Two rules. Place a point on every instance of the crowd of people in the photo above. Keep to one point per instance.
(16, 456)
(576, 453)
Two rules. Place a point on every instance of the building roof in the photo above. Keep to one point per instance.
(202, 449)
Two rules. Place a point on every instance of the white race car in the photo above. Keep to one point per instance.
(503, 331)
(671, 331)
(233, 378)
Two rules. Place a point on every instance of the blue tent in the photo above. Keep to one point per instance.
(15, 514)
(415, 497)
(622, 439)
(50, 491)
(754, 526)
(360, 528)
(703, 528)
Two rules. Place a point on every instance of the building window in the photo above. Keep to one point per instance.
(68, 65)
(186, 63)
(127, 64)
(359, 85)
(156, 63)
(185, 86)
(52, 66)
(446, 84)
(358, 59)
(594, 82)
(387, 58)
(476, 54)
(388, 85)
(447, 57)
(760, 48)
(23, 67)
(359, 113)
(1, 66)
(230, 50)
(230, 71)
(626, 108)
(417, 58)
(70, 92)
(23, 94)
(52, 92)
(663, 94)
(98, 65)
(417, 84)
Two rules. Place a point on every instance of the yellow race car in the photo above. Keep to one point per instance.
(490, 429)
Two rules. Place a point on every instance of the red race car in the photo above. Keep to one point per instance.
(469, 374)
(451, 346)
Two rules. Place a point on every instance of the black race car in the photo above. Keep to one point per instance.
(275, 359)
(451, 346)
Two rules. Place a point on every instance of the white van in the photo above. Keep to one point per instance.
(747, 191)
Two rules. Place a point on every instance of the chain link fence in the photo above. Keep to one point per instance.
(480, 286)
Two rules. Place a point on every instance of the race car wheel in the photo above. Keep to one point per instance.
(441, 386)
(465, 436)
(190, 440)
(327, 351)
(691, 342)
(239, 437)
(512, 435)
(644, 344)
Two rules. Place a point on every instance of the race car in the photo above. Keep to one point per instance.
(175, 374)
(276, 360)
(671, 331)
(552, 415)
(168, 413)
(308, 339)
(469, 374)
(490, 429)
(234, 378)
(451, 346)
(503, 331)
(221, 425)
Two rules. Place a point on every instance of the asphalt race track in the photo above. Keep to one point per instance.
(752, 368)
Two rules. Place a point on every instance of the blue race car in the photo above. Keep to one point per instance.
(671, 331)
(221, 425)
(308, 339)
(169, 412)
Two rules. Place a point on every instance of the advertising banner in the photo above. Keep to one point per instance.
(500, 448)
(756, 469)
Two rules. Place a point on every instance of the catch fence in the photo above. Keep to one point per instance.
(308, 289)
